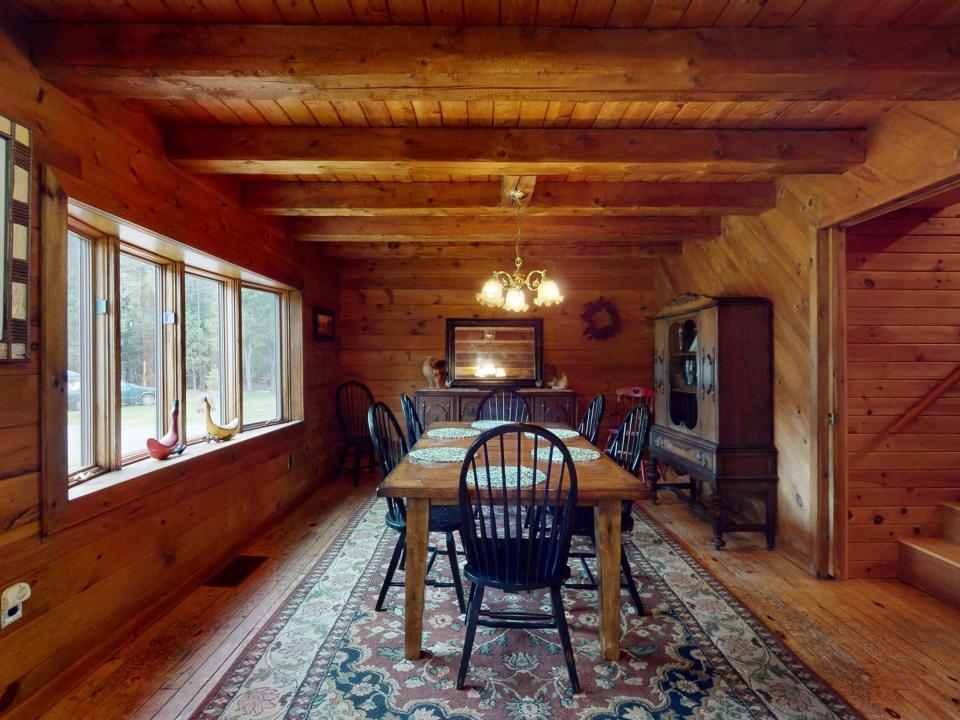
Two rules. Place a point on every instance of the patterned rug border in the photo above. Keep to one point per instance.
(822, 688)
(231, 680)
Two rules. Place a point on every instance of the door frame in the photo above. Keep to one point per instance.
(828, 363)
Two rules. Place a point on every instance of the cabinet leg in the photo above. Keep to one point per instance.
(716, 512)
(771, 518)
(653, 475)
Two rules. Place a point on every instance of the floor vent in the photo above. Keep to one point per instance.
(236, 571)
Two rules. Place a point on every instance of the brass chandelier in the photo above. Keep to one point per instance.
(507, 290)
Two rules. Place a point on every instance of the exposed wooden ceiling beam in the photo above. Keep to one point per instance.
(301, 151)
(551, 198)
(498, 250)
(180, 61)
(459, 229)
(519, 183)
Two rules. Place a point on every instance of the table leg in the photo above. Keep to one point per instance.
(607, 521)
(418, 524)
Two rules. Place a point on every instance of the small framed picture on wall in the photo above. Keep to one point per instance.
(324, 324)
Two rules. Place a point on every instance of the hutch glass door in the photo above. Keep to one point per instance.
(683, 373)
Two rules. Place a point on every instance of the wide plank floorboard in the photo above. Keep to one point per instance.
(892, 651)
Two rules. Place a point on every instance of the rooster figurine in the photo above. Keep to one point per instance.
(219, 433)
(434, 371)
(170, 443)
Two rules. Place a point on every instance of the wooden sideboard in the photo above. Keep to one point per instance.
(460, 405)
(714, 409)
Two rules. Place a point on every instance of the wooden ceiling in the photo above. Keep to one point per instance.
(640, 133)
(558, 13)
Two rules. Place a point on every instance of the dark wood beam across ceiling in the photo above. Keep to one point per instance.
(458, 229)
(302, 151)
(544, 198)
(498, 250)
(268, 62)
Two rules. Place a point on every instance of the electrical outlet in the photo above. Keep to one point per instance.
(11, 603)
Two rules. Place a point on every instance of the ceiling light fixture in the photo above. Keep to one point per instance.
(507, 290)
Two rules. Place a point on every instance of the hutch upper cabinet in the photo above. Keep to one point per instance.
(714, 413)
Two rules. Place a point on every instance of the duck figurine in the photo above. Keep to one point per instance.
(218, 433)
(170, 443)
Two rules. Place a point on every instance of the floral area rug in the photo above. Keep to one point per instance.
(696, 653)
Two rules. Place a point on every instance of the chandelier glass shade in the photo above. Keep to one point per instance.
(508, 291)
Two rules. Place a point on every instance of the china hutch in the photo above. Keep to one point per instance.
(714, 407)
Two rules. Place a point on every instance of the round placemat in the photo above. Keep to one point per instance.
(562, 433)
(452, 433)
(496, 476)
(576, 454)
(438, 454)
(488, 424)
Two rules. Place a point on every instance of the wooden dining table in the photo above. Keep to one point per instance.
(601, 484)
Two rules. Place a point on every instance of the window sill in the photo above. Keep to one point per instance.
(113, 489)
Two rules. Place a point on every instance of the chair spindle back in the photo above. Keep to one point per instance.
(506, 405)
(516, 528)
(412, 420)
(353, 399)
(390, 447)
(592, 419)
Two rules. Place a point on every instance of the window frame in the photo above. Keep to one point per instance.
(227, 400)
(69, 498)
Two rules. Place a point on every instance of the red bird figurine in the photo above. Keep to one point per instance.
(170, 443)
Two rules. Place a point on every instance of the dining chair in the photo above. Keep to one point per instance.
(504, 550)
(627, 399)
(627, 451)
(412, 420)
(505, 404)
(352, 401)
(391, 448)
(592, 419)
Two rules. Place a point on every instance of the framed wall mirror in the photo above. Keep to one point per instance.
(15, 168)
(491, 353)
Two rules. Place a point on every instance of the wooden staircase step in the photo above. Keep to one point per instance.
(951, 521)
(933, 565)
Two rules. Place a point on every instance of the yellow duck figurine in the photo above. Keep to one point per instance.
(219, 433)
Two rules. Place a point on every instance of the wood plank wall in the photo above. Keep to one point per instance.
(96, 583)
(903, 337)
(393, 311)
(772, 254)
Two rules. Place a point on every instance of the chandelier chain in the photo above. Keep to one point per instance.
(518, 261)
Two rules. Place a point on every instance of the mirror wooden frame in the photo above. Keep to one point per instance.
(454, 323)
(15, 241)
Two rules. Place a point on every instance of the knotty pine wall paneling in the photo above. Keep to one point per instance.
(97, 582)
(903, 337)
(772, 255)
(393, 313)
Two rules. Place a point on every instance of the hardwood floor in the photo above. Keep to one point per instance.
(892, 651)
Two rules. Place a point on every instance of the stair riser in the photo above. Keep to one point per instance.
(934, 575)
(951, 523)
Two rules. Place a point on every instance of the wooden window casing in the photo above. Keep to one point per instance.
(102, 281)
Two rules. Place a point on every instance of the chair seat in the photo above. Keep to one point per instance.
(509, 577)
(443, 518)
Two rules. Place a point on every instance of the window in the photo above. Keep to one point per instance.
(149, 322)
(79, 378)
(140, 355)
(204, 328)
(260, 331)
